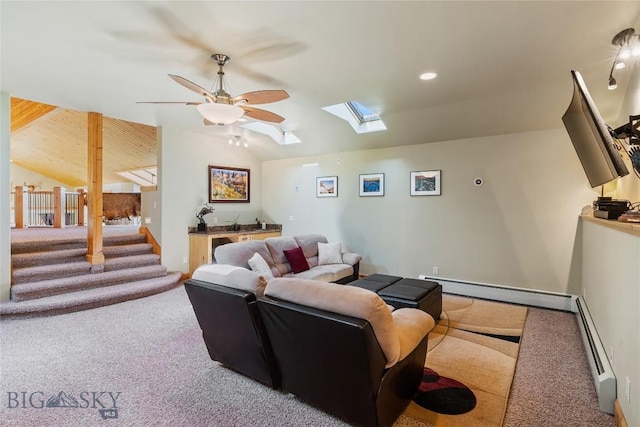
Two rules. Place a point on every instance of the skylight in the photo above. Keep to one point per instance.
(145, 177)
(361, 118)
(281, 136)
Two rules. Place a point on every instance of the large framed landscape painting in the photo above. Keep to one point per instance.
(228, 184)
(327, 186)
(425, 183)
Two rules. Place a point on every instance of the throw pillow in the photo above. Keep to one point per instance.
(260, 266)
(297, 261)
(329, 253)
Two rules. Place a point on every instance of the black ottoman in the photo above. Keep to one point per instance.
(414, 293)
(375, 282)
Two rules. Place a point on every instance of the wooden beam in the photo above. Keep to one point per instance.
(59, 214)
(94, 181)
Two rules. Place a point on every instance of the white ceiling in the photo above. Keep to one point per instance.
(503, 66)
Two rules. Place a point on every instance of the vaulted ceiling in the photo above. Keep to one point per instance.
(53, 142)
(503, 66)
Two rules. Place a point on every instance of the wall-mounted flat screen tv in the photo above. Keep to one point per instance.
(600, 159)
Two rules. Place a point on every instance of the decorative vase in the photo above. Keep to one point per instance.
(202, 226)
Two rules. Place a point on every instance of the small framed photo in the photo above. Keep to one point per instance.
(327, 186)
(426, 183)
(372, 184)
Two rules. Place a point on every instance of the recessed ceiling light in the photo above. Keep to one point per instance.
(428, 76)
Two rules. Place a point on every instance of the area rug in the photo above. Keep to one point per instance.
(471, 360)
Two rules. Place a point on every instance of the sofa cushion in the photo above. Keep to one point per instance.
(296, 259)
(232, 277)
(276, 247)
(309, 243)
(345, 300)
(325, 273)
(239, 253)
(260, 266)
(329, 253)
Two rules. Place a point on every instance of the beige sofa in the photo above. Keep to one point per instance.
(326, 261)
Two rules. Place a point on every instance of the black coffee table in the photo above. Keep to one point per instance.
(401, 292)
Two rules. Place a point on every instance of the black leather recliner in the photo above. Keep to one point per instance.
(232, 329)
(335, 362)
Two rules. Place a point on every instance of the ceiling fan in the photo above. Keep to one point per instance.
(220, 108)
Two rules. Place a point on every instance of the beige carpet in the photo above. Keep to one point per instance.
(461, 349)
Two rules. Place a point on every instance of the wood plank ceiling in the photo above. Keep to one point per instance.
(52, 141)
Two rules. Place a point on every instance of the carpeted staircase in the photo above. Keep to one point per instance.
(52, 277)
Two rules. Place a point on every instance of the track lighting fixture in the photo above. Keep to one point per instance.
(236, 141)
(628, 43)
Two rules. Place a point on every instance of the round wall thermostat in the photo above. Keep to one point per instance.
(478, 182)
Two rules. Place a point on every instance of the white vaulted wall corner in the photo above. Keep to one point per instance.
(517, 229)
(183, 160)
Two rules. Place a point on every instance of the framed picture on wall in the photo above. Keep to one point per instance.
(327, 186)
(372, 184)
(426, 183)
(228, 184)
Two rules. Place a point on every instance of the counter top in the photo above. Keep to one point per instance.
(244, 229)
(632, 228)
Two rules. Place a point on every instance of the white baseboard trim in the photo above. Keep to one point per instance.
(533, 297)
(601, 370)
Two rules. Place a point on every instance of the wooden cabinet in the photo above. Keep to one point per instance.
(261, 236)
(202, 245)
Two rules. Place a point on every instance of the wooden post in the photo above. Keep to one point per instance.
(82, 202)
(20, 207)
(94, 181)
(59, 202)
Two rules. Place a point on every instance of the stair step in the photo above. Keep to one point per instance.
(57, 244)
(123, 239)
(50, 271)
(127, 250)
(47, 245)
(46, 288)
(33, 259)
(87, 299)
(120, 263)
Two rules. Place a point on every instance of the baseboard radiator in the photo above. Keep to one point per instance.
(601, 370)
(603, 377)
(513, 295)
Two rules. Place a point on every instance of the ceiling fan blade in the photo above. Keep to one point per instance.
(264, 115)
(262, 96)
(169, 102)
(192, 86)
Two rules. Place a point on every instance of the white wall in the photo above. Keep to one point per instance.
(183, 160)
(20, 176)
(5, 229)
(518, 229)
(611, 279)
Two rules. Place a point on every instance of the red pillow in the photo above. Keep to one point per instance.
(296, 259)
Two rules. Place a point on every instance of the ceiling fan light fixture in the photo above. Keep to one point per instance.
(612, 83)
(220, 114)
